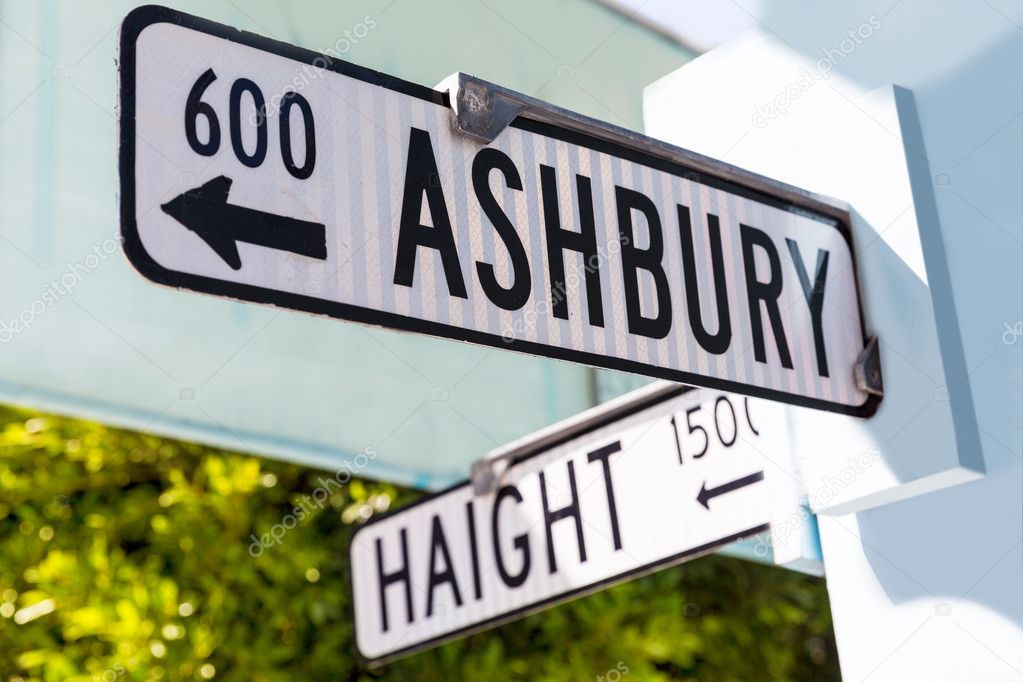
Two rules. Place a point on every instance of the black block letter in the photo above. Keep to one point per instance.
(421, 177)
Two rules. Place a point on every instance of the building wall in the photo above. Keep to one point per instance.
(117, 348)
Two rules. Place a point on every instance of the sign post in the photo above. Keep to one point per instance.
(650, 480)
(478, 214)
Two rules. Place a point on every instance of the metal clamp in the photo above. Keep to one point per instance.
(482, 110)
(867, 370)
(486, 473)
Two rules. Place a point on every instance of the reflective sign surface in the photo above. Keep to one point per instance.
(343, 192)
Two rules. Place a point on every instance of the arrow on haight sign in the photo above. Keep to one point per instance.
(707, 494)
(205, 211)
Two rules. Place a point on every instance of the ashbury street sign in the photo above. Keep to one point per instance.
(663, 480)
(260, 171)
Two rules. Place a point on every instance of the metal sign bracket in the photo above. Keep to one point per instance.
(481, 110)
(867, 370)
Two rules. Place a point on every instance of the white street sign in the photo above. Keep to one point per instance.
(655, 483)
(345, 192)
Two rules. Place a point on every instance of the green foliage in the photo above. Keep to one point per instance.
(129, 557)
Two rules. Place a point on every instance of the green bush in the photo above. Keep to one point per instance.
(125, 556)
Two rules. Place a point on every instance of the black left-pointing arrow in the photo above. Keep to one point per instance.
(706, 494)
(205, 211)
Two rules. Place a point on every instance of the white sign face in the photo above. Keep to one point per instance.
(343, 192)
(674, 479)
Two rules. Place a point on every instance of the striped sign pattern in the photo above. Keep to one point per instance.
(390, 169)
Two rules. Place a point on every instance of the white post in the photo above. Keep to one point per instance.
(920, 507)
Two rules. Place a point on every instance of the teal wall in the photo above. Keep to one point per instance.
(277, 383)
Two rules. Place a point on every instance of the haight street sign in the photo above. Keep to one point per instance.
(666, 475)
(477, 214)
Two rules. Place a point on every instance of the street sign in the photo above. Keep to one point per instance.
(653, 479)
(476, 214)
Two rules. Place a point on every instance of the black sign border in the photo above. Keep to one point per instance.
(140, 18)
(563, 597)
